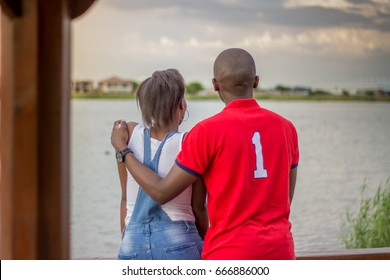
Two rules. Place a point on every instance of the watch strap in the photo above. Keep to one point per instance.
(123, 153)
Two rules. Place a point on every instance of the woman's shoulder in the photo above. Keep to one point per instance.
(131, 126)
(181, 136)
(133, 129)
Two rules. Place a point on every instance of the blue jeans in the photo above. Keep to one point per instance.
(161, 241)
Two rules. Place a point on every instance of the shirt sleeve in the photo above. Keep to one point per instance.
(196, 153)
(295, 155)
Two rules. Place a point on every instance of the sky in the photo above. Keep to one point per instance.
(294, 42)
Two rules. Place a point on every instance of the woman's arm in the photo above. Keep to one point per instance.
(198, 202)
(123, 182)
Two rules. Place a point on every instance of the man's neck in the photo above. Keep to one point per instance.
(228, 96)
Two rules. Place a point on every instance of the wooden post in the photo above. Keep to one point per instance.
(6, 120)
(19, 116)
(34, 127)
(53, 126)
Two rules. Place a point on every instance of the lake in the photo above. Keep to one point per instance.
(342, 145)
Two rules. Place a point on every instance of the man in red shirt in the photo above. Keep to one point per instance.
(248, 158)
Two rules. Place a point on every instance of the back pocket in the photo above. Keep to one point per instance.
(132, 256)
(187, 251)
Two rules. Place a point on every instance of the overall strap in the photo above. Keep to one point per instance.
(153, 164)
(146, 210)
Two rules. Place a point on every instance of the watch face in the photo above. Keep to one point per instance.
(119, 157)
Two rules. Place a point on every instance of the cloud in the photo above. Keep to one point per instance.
(195, 43)
(303, 42)
(348, 42)
(368, 9)
(230, 2)
(337, 4)
(167, 42)
(297, 13)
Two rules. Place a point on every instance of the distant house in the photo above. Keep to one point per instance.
(115, 85)
(82, 86)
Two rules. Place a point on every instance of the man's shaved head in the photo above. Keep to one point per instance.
(234, 68)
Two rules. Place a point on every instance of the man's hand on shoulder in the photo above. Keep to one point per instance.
(119, 135)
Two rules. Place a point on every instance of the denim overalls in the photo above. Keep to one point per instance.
(151, 234)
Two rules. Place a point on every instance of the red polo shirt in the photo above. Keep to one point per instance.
(244, 154)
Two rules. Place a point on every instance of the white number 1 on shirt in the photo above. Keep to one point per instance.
(259, 172)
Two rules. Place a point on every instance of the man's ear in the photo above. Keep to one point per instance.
(256, 82)
(215, 84)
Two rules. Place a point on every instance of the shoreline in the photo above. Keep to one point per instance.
(257, 96)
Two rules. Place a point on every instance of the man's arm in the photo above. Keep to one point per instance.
(161, 190)
(198, 203)
(293, 180)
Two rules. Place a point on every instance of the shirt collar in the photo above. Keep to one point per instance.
(247, 102)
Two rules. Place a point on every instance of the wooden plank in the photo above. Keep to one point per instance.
(53, 144)
(20, 156)
(348, 254)
(6, 121)
(25, 188)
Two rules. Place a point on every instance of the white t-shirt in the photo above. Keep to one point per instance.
(179, 208)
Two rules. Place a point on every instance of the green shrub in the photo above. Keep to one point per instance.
(370, 228)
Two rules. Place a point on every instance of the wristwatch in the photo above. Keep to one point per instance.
(120, 155)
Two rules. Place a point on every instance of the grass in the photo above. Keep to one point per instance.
(102, 96)
(370, 228)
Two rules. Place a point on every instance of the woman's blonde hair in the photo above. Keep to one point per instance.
(159, 96)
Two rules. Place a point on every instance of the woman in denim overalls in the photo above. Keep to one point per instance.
(174, 230)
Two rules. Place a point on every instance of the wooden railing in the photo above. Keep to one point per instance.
(348, 254)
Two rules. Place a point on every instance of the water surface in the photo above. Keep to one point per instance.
(342, 145)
